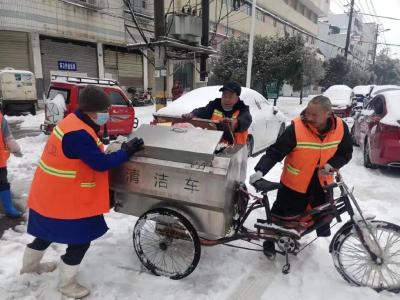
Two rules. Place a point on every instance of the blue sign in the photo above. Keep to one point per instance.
(67, 65)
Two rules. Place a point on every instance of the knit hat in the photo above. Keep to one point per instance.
(93, 99)
(231, 86)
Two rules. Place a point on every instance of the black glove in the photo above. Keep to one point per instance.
(133, 146)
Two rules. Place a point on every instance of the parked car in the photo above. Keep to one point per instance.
(17, 91)
(122, 113)
(268, 122)
(341, 99)
(377, 130)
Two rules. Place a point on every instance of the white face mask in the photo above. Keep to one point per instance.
(102, 118)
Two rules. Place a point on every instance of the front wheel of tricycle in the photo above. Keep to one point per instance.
(355, 264)
(166, 243)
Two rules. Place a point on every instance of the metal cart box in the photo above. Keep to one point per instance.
(180, 169)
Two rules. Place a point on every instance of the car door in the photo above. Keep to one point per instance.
(258, 126)
(273, 123)
(372, 124)
(121, 113)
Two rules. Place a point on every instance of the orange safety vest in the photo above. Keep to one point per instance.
(309, 153)
(65, 188)
(4, 153)
(240, 137)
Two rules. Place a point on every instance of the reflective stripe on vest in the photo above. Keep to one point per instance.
(309, 153)
(65, 188)
(240, 137)
(4, 153)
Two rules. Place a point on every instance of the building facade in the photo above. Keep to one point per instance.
(74, 37)
(333, 29)
(90, 37)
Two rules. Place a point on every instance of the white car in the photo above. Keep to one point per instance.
(341, 99)
(268, 122)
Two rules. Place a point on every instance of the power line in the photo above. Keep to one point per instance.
(377, 43)
(378, 16)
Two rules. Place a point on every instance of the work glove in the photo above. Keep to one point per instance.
(255, 177)
(132, 146)
(18, 154)
(326, 170)
(188, 116)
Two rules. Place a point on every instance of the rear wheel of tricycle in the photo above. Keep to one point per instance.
(355, 264)
(166, 243)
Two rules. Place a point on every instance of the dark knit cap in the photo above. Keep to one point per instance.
(93, 99)
(231, 86)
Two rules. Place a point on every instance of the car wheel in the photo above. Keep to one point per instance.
(353, 137)
(367, 159)
(281, 130)
(250, 145)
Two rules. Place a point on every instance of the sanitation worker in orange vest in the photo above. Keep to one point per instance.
(233, 115)
(7, 145)
(314, 144)
(70, 192)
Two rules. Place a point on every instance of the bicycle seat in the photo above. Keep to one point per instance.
(266, 186)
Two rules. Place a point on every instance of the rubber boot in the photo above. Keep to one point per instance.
(68, 285)
(8, 206)
(31, 262)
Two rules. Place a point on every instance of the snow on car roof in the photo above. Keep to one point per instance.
(382, 88)
(339, 95)
(392, 116)
(199, 98)
(362, 89)
(339, 87)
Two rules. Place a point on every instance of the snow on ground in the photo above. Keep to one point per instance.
(112, 270)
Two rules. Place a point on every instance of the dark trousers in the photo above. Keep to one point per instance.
(73, 255)
(4, 184)
(291, 203)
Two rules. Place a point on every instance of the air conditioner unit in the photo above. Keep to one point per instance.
(185, 27)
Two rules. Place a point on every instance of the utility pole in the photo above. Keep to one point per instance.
(376, 44)
(205, 18)
(251, 42)
(346, 48)
(159, 55)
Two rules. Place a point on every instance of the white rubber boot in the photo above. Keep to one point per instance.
(31, 262)
(68, 285)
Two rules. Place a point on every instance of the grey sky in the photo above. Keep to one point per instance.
(388, 8)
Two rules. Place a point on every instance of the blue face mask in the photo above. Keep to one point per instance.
(102, 118)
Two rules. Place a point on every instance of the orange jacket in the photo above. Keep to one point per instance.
(310, 153)
(240, 137)
(65, 188)
(4, 153)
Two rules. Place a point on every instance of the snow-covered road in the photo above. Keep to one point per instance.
(112, 270)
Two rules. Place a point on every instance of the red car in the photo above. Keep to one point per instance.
(377, 130)
(122, 113)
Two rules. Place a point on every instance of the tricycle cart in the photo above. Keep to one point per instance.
(189, 193)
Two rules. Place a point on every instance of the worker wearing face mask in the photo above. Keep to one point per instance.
(70, 191)
(233, 115)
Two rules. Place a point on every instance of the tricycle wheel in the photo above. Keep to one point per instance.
(355, 264)
(166, 243)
